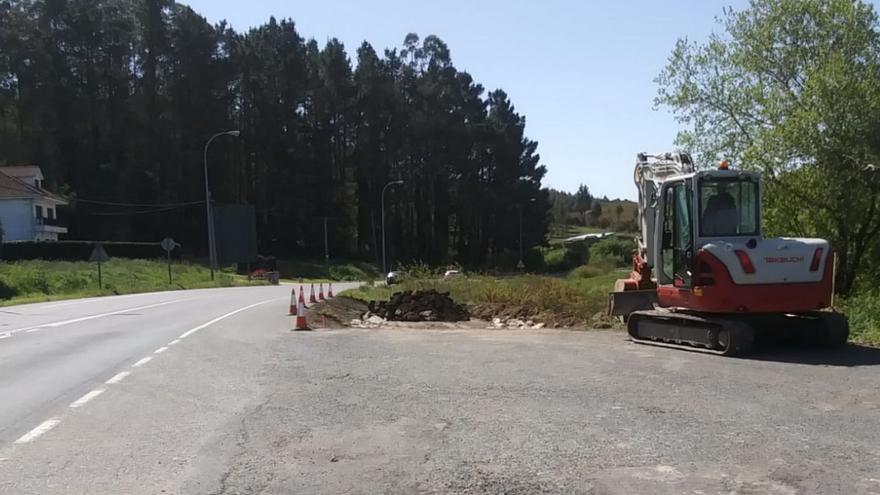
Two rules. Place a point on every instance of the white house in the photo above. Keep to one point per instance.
(27, 211)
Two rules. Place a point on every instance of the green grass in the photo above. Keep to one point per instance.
(40, 280)
(863, 312)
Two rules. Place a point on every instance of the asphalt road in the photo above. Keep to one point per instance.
(231, 401)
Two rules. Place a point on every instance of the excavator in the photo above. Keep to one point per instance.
(704, 278)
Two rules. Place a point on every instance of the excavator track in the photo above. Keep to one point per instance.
(726, 337)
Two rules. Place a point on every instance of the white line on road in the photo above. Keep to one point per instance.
(92, 317)
(85, 398)
(174, 342)
(32, 330)
(142, 362)
(39, 430)
(5, 335)
(118, 377)
(227, 315)
(160, 350)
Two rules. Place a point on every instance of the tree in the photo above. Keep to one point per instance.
(792, 89)
(583, 197)
(596, 212)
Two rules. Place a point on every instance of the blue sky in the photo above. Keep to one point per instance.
(580, 71)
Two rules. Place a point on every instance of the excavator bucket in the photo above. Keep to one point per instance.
(625, 302)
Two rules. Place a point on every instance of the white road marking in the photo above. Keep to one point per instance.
(5, 335)
(118, 377)
(227, 315)
(92, 317)
(160, 350)
(174, 342)
(142, 362)
(32, 330)
(85, 398)
(39, 430)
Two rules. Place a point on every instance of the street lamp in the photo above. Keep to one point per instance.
(521, 265)
(392, 183)
(212, 248)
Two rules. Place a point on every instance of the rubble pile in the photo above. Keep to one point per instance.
(421, 305)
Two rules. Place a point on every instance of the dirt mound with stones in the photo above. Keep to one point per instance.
(421, 305)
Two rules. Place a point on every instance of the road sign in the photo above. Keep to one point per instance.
(99, 255)
(168, 244)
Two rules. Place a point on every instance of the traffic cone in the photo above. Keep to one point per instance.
(312, 295)
(301, 323)
(321, 292)
(302, 295)
(329, 289)
(292, 302)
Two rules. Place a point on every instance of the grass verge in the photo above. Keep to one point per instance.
(39, 280)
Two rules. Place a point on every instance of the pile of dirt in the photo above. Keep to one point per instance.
(421, 305)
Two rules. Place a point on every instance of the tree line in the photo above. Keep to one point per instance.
(115, 100)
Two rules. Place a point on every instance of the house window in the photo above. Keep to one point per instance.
(38, 211)
(50, 213)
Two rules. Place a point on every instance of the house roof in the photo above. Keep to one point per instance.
(20, 171)
(15, 188)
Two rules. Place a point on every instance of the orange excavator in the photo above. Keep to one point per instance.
(704, 277)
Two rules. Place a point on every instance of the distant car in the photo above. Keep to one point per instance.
(395, 277)
(453, 274)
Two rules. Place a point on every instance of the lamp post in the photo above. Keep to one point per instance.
(212, 248)
(392, 183)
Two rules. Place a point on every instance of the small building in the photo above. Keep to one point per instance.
(27, 211)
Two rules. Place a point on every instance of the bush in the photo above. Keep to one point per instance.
(576, 254)
(554, 260)
(347, 272)
(616, 250)
(863, 312)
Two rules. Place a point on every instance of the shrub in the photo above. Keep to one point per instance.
(347, 272)
(618, 250)
(863, 312)
(576, 254)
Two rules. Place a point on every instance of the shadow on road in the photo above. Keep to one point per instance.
(848, 355)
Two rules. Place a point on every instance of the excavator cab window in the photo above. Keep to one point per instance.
(729, 207)
(683, 243)
(676, 249)
(668, 237)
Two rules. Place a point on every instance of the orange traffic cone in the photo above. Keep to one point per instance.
(302, 295)
(329, 289)
(301, 323)
(312, 295)
(321, 292)
(292, 302)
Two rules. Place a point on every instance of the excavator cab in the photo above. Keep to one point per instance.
(701, 208)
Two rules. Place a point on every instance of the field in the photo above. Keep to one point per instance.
(37, 280)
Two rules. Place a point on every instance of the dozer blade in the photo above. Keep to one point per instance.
(622, 303)
(727, 337)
